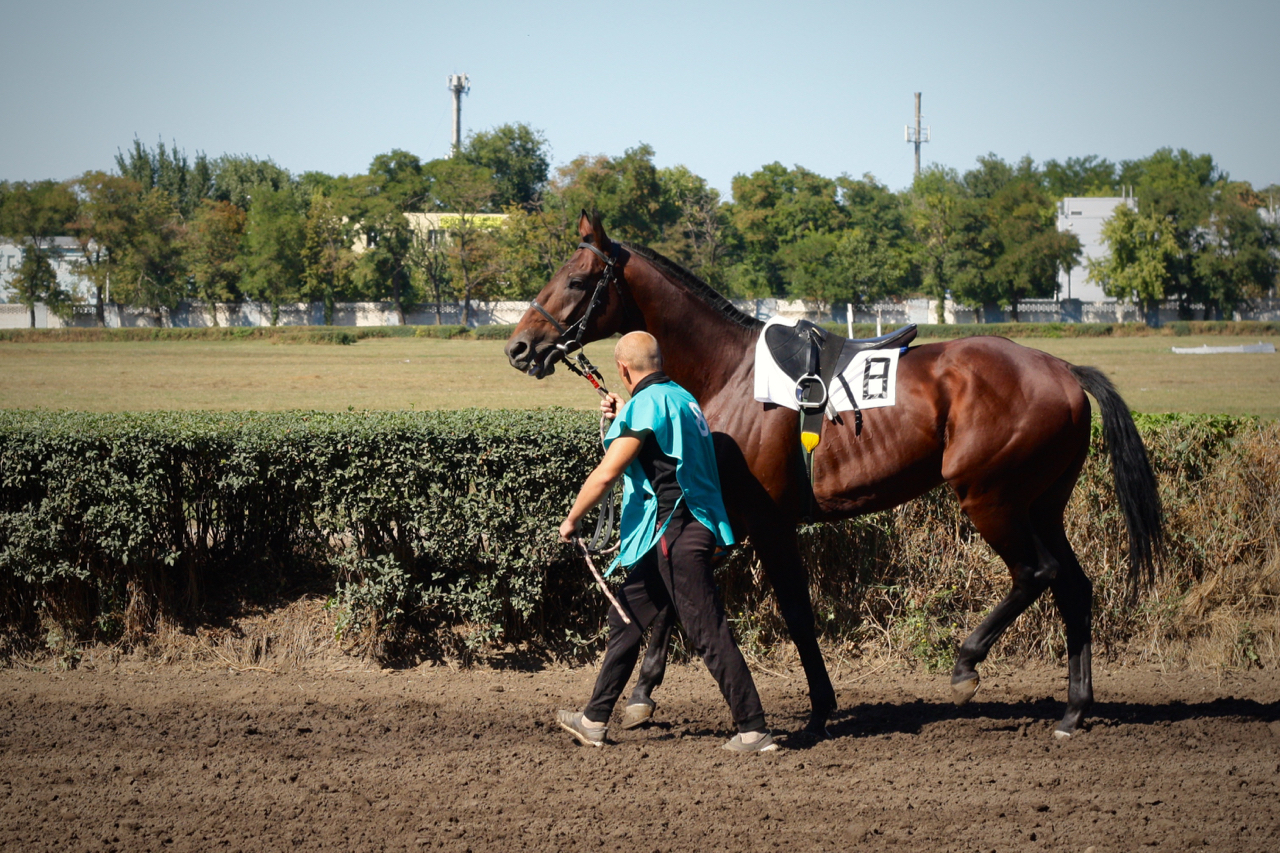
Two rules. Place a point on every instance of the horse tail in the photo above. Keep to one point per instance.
(1135, 482)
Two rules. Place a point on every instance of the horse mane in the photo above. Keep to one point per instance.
(696, 286)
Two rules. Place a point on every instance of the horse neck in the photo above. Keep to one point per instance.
(701, 348)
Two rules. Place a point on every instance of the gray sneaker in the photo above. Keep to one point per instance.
(637, 714)
(737, 744)
(571, 722)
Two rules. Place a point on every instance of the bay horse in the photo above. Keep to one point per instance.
(1005, 426)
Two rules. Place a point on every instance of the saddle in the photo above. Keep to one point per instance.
(814, 357)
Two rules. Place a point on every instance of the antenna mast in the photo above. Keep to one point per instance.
(917, 135)
(459, 84)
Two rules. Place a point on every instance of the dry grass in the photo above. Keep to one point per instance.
(909, 585)
(423, 373)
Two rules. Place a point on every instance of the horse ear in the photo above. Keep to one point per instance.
(597, 231)
(584, 226)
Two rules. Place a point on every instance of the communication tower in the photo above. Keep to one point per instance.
(460, 84)
(917, 135)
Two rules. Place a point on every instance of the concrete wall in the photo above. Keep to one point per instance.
(196, 314)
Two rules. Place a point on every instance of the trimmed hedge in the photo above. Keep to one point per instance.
(434, 533)
(413, 523)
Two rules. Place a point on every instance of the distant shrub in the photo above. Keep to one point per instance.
(498, 331)
(440, 331)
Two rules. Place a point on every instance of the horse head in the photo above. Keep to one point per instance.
(583, 302)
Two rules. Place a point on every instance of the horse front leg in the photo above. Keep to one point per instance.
(779, 555)
(640, 706)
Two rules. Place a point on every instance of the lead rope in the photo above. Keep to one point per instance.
(604, 522)
(591, 373)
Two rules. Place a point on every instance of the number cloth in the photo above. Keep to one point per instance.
(669, 415)
(868, 382)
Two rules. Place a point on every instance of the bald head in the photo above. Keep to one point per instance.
(637, 355)
(639, 352)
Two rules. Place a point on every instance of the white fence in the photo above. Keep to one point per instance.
(197, 314)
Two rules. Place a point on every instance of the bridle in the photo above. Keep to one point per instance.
(569, 347)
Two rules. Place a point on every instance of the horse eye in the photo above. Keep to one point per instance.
(577, 284)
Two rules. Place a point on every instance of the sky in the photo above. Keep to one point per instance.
(720, 87)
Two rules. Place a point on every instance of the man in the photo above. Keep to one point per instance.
(673, 518)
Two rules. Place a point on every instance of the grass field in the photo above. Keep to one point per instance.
(424, 373)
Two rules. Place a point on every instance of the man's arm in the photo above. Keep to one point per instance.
(621, 452)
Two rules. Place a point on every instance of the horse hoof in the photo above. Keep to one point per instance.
(1059, 734)
(815, 732)
(634, 716)
(962, 691)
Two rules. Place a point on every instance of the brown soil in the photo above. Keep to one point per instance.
(139, 758)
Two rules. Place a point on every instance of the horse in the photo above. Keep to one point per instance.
(1006, 427)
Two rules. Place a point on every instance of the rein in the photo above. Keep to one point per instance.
(570, 349)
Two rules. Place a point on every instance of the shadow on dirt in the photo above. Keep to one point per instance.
(869, 720)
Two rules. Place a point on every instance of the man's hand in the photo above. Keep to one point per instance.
(609, 405)
(624, 449)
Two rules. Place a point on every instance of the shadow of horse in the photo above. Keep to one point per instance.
(911, 717)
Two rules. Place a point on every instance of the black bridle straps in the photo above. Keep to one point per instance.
(576, 330)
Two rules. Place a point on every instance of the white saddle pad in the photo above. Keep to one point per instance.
(870, 380)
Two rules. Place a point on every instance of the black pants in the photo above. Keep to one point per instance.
(677, 571)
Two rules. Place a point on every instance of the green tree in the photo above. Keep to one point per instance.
(169, 170)
(1178, 188)
(772, 208)
(32, 215)
(215, 241)
(152, 269)
(1080, 177)
(274, 239)
(519, 160)
(1143, 260)
(428, 262)
(1237, 256)
(236, 177)
(946, 225)
(532, 244)
(1017, 250)
(327, 258)
(625, 190)
(472, 245)
(397, 183)
(36, 281)
(700, 238)
(37, 211)
(103, 226)
(876, 249)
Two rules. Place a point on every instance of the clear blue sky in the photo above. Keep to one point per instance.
(721, 87)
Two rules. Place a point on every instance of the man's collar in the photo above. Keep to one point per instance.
(655, 378)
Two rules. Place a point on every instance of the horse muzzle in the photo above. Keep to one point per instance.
(536, 358)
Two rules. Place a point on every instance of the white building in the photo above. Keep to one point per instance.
(63, 254)
(1085, 217)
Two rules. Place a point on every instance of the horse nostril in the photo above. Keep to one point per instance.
(515, 352)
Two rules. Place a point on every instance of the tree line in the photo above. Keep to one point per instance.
(164, 227)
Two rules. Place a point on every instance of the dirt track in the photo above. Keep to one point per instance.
(440, 759)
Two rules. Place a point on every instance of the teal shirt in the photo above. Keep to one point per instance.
(666, 413)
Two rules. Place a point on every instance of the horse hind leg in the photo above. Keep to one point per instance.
(1032, 568)
(640, 706)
